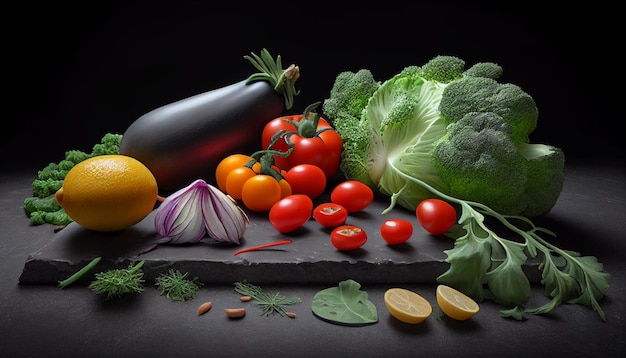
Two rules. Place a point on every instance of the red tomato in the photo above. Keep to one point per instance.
(436, 216)
(320, 146)
(291, 212)
(272, 128)
(306, 179)
(330, 214)
(352, 195)
(348, 237)
(396, 231)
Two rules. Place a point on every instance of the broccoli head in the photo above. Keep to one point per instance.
(484, 69)
(349, 94)
(457, 130)
(443, 69)
(478, 161)
(483, 94)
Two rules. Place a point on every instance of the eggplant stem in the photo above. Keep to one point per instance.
(282, 80)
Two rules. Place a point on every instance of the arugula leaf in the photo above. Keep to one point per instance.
(345, 304)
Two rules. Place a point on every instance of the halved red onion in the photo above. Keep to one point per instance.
(189, 214)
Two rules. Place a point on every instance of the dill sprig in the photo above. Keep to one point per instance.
(118, 282)
(176, 286)
(269, 302)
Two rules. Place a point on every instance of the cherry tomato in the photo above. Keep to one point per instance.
(436, 216)
(226, 165)
(348, 237)
(330, 214)
(352, 195)
(235, 180)
(306, 179)
(260, 192)
(291, 212)
(319, 144)
(396, 231)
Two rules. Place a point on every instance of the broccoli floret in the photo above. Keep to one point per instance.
(110, 144)
(484, 69)
(443, 69)
(349, 94)
(478, 161)
(482, 94)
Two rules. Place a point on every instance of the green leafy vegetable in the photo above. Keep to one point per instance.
(176, 286)
(42, 207)
(443, 131)
(345, 304)
(270, 302)
(119, 282)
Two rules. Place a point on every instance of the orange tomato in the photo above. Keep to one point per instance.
(235, 180)
(260, 192)
(227, 165)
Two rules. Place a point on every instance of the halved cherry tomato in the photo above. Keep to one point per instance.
(330, 214)
(306, 179)
(352, 195)
(396, 231)
(313, 139)
(436, 216)
(260, 192)
(291, 212)
(348, 237)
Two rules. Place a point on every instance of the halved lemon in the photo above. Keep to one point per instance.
(407, 306)
(455, 304)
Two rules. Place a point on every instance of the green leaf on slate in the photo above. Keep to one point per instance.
(345, 304)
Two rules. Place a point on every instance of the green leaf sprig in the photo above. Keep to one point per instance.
(176, 286)
(119, 282)
(270, 302)
(481, 257)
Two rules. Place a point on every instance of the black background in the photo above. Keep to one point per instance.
(78, 71)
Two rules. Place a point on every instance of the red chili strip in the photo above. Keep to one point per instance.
(259, 247)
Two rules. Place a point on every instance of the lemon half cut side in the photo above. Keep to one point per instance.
(407, 306)
(456, 304)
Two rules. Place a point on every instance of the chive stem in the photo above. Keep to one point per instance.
(70, 280)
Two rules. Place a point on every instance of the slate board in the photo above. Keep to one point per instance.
(310, 258)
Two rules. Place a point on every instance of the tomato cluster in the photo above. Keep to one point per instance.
(311, 139)
(300, 154)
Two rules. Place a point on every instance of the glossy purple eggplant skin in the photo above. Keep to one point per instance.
(185, 140)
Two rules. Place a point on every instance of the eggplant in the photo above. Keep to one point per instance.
(185, 140)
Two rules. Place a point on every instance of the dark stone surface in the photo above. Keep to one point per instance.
(43, 320)
(310, 258)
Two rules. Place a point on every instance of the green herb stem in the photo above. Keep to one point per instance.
(70, 280)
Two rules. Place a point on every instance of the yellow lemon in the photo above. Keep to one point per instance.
(455, 304)
(108, 192)
(407, 306)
